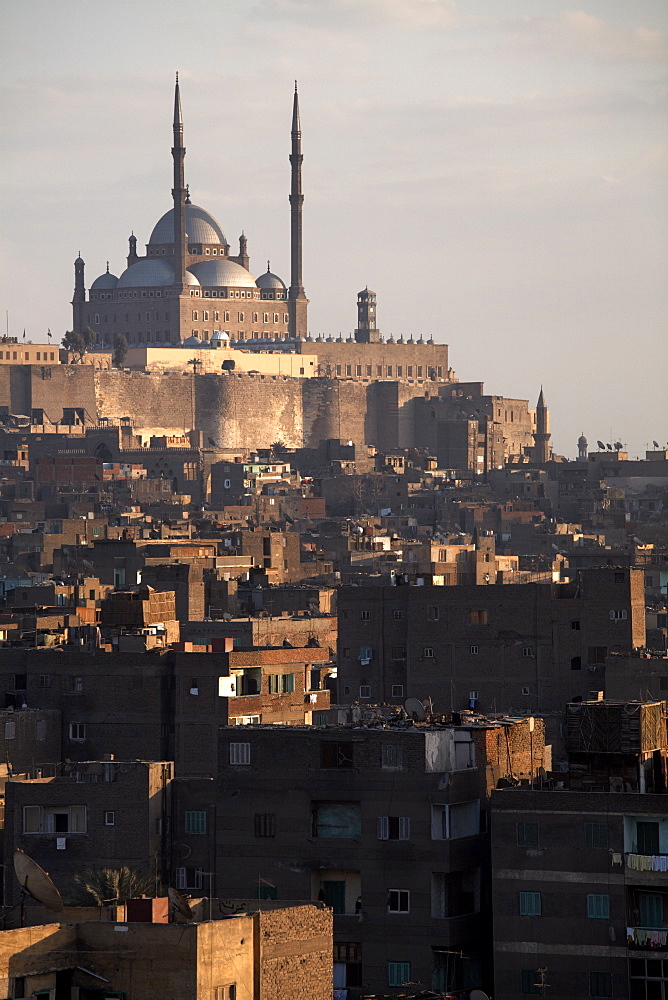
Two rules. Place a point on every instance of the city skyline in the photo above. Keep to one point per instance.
(514, 160)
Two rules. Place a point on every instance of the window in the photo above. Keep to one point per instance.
(598, 906)
(597, 654)
(600, 984)
(575, 625)
(398, 900)
(110, 818)
(531, 983)
(281, 683)
(525, 691)
(527, 835)
(10, 730)
(391, 755)
(365, 616)
(336, 820)
(596, 835)
(75, 685)
(398, 973)
(474, 650)
(397, 615)
(478, 616)
(189, 878)
(428, 652)
(225, 992)
(450, 822)
(433, 614)
(394, 828)
(530, 904)
(397, 690)
(240, 753)
(365, 691)
(527, 651)
(265, 824)
(336, 754)
(196, 822)
(576, 663)
(618, 616)
(78, 731)
(398, 653)
(54, 819)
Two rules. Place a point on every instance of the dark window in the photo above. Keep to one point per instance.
(336, 754)
(265, 824)
(648, 837)
(597, 654)
(596, 835)
(575, 625)
(531, 983)
(339, 820)
(600, 984)
(20, 682)
(527, 834)
(576, 663)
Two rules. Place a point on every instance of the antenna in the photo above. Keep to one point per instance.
(415, 709)
(35, 882)
(180, 903)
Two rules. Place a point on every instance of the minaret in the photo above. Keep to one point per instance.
(179, 194)
(243, 257)
(132, 250)
(582, 447)
(297, 301)
(542, 450)
(79, 297)
(367, 332)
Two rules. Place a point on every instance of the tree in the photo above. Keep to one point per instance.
(120, 350)
(98, 886)
(278, 449)
(75, 343)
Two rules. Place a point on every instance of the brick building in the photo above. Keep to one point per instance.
(386, 825)
(527, 648)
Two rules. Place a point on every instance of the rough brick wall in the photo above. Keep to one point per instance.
(295, 953)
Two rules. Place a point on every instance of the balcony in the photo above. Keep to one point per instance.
(647, 869)
(647, 938)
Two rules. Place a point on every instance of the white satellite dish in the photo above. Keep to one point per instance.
(180, 903)
(415, 709)
(478, 995)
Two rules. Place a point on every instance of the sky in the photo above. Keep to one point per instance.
(494, 171)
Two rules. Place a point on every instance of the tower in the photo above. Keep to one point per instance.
(297, 301)
(582, 447)
(366, 332)
(542, 451)
(79, 297)
(179, 193)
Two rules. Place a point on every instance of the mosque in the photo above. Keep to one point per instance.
(188, 286)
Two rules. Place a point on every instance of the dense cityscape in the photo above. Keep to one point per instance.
(325, 676)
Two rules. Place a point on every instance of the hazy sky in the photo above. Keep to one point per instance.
(494, 169)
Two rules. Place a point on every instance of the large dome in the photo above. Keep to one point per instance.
(200, 227)
(222, 274)
(146, 273)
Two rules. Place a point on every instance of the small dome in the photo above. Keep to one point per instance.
(148, 272)
(222, 274)
(220, 335)
(269, 280)
(191, 342)
(106, 280)
(200, 227)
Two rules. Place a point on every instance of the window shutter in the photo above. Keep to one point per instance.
(383, 827)
(404, 828)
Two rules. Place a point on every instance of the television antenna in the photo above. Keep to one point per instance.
(35, 882)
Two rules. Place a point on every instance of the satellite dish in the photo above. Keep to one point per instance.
(179, 903)
(415, 709)
(478, 995)
(35, 881)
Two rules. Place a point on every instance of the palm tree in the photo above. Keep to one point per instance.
(97, 886)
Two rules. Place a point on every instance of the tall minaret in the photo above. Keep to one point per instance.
(297, 301)
(79, 297)
(179, 194)
(542, 433)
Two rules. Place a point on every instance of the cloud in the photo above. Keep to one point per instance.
(575, 32)
(414, 14)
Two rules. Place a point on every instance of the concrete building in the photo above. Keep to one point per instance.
(248, 955)
(527, 648)
(580, 884)
(384, 824)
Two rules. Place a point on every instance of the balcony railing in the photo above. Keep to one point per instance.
(647, 862)
(647, 938)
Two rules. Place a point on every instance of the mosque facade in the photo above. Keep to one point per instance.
(189, 286)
